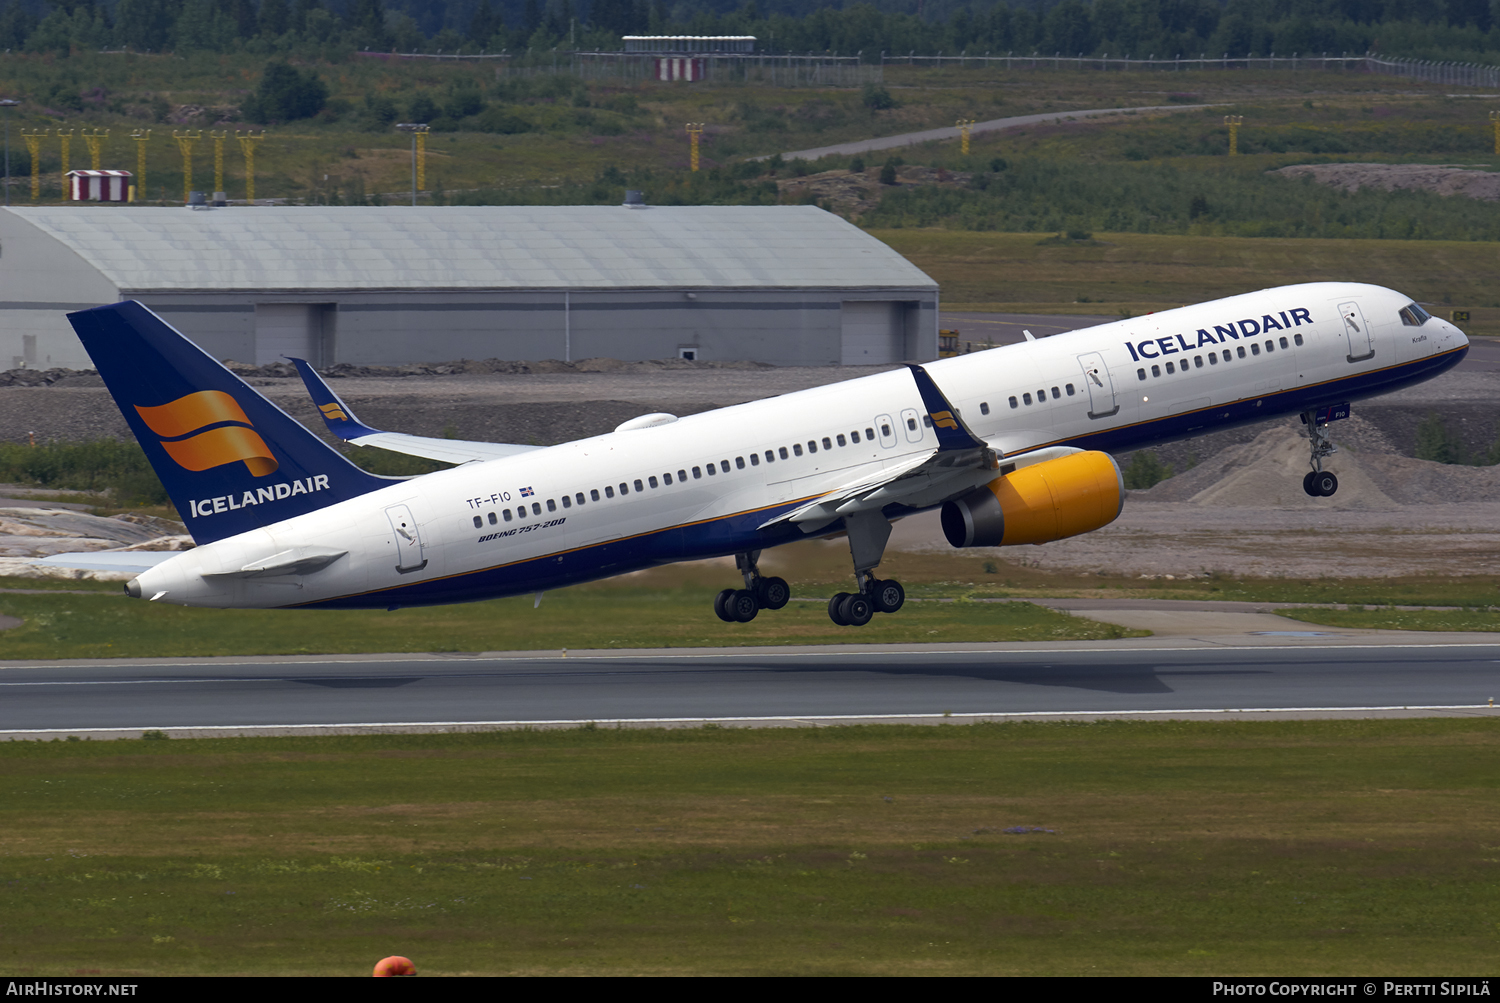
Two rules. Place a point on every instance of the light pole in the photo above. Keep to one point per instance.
(418, 132)
(7, 104)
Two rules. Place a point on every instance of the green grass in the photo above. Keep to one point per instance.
(111, 626)
(1399, 619)
(1290, 848)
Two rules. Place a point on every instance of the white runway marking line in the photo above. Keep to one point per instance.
(789, 718)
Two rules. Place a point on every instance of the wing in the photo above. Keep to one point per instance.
(340, 419)
(962, 462)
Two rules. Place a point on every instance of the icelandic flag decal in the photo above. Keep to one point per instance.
(527, 492)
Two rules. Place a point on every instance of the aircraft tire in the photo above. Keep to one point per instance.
(836, 608)
(857, 610)
(1307, 483)
(888, 596)
(773, 593)
(721, 605)
(1326, 484)
(742, 606)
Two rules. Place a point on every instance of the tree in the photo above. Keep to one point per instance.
(284, 95)
(485, 24)
(1145, 470)
(1436, 443)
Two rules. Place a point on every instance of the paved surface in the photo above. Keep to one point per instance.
(1223, 662)
(951, 132)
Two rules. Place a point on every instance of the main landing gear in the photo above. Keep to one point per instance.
(741, 605)
(1319, 483)
(868, 533)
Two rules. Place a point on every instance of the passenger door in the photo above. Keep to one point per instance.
(1103, 402)
(406, 537)
(1357, 330)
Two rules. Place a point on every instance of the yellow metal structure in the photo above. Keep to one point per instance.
(421, 135)
(695, 132)
(67, 142)
(965, 125)
(247, 147)
(95, 142)
(185, 141)
(1234, 122)
(140, 136)
(1495, 121)
(34, 147)
(948, 343)
(218, 138)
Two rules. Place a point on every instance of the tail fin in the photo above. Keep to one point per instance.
(230, 459)
(952, 431)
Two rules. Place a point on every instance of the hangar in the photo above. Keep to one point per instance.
(785, 285)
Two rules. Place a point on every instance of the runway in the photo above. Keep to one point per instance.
(1289, 673)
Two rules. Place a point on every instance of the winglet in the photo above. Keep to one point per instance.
(951, 431)
(337, 415)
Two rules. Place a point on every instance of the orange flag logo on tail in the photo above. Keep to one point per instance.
(215, 447)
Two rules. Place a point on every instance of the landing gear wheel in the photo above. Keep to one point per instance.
(887, 596)
(773, 593)
(857, 610)
(1307, 483)
(721, 605)
(836, 609)
(742, 606)
(1325, 483)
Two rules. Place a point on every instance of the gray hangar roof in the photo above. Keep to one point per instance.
(295, 249)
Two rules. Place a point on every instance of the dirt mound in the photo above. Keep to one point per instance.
(1482, 185)
(851, 194)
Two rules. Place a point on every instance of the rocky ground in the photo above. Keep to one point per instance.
(1484, 185)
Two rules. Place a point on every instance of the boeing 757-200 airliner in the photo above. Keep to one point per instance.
(1013, 444)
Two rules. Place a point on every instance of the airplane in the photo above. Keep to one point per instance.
(1012, 445)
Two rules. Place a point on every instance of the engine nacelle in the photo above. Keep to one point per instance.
(1046, 501)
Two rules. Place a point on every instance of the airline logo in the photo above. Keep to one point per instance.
(186, 435)
(1247, 328)
(944, 419)
(333, 412)
(527, 492)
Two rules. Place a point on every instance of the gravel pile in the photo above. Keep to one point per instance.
(1482, 185)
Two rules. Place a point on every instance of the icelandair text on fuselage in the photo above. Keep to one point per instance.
(1476, 988)
(69, 989)
(1247, 328)
(271, 492)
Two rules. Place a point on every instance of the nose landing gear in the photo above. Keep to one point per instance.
(1319, 483)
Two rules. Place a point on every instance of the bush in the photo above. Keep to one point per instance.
(285, 95)
(1436, 443)
(1144, 471)
(877, 98)
(104, 465)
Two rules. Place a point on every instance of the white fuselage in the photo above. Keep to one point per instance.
(648, 497)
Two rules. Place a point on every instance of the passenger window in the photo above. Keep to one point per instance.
(782, 451)
(551, 506)
(505, 515)
(885, 430)
(712, 470)
(1240, 351)
(724, 466)
(984, 407)
(1198, 362)
(854, 437)
(1140, 374)
(666, 478)
(650, 480)
(812, 447)
(682, 476)
(609, 492)
(755, 459)
(521, 511)
(1069, 388)
(1156, 370)
(739, 462)
(1012, 402)
(926, 420)
(567, 502)
(478, 522)
(911, 424)
(1254, 349)
(1041, 395)
(826, 443)
(797, 450)
(1297, 339)
(1270, 347)
(1056, 395)
(493, 519)
(580, 499)
(841, 441)
(1170, 370)
(1026, 399)
(594, 494)
(1213, 358)
(1227, 356)
(1283, 343)
(638, 488)
(625, 489)
(870, 434)
(536, 508)
(697, 473)
(770, 456)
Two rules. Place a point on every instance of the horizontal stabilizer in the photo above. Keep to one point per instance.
(341, 421)
(297, 561)
(133, 562)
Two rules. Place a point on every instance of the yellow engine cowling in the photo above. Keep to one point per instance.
(1046, 501)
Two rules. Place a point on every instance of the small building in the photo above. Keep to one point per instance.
(675, 59)
(786, 285)
(99, 186)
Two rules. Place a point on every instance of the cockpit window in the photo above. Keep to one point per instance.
(1414, 316)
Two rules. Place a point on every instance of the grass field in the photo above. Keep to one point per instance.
(1399, 619)
(1288, 848)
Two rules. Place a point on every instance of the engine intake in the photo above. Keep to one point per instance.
(1046, 501)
